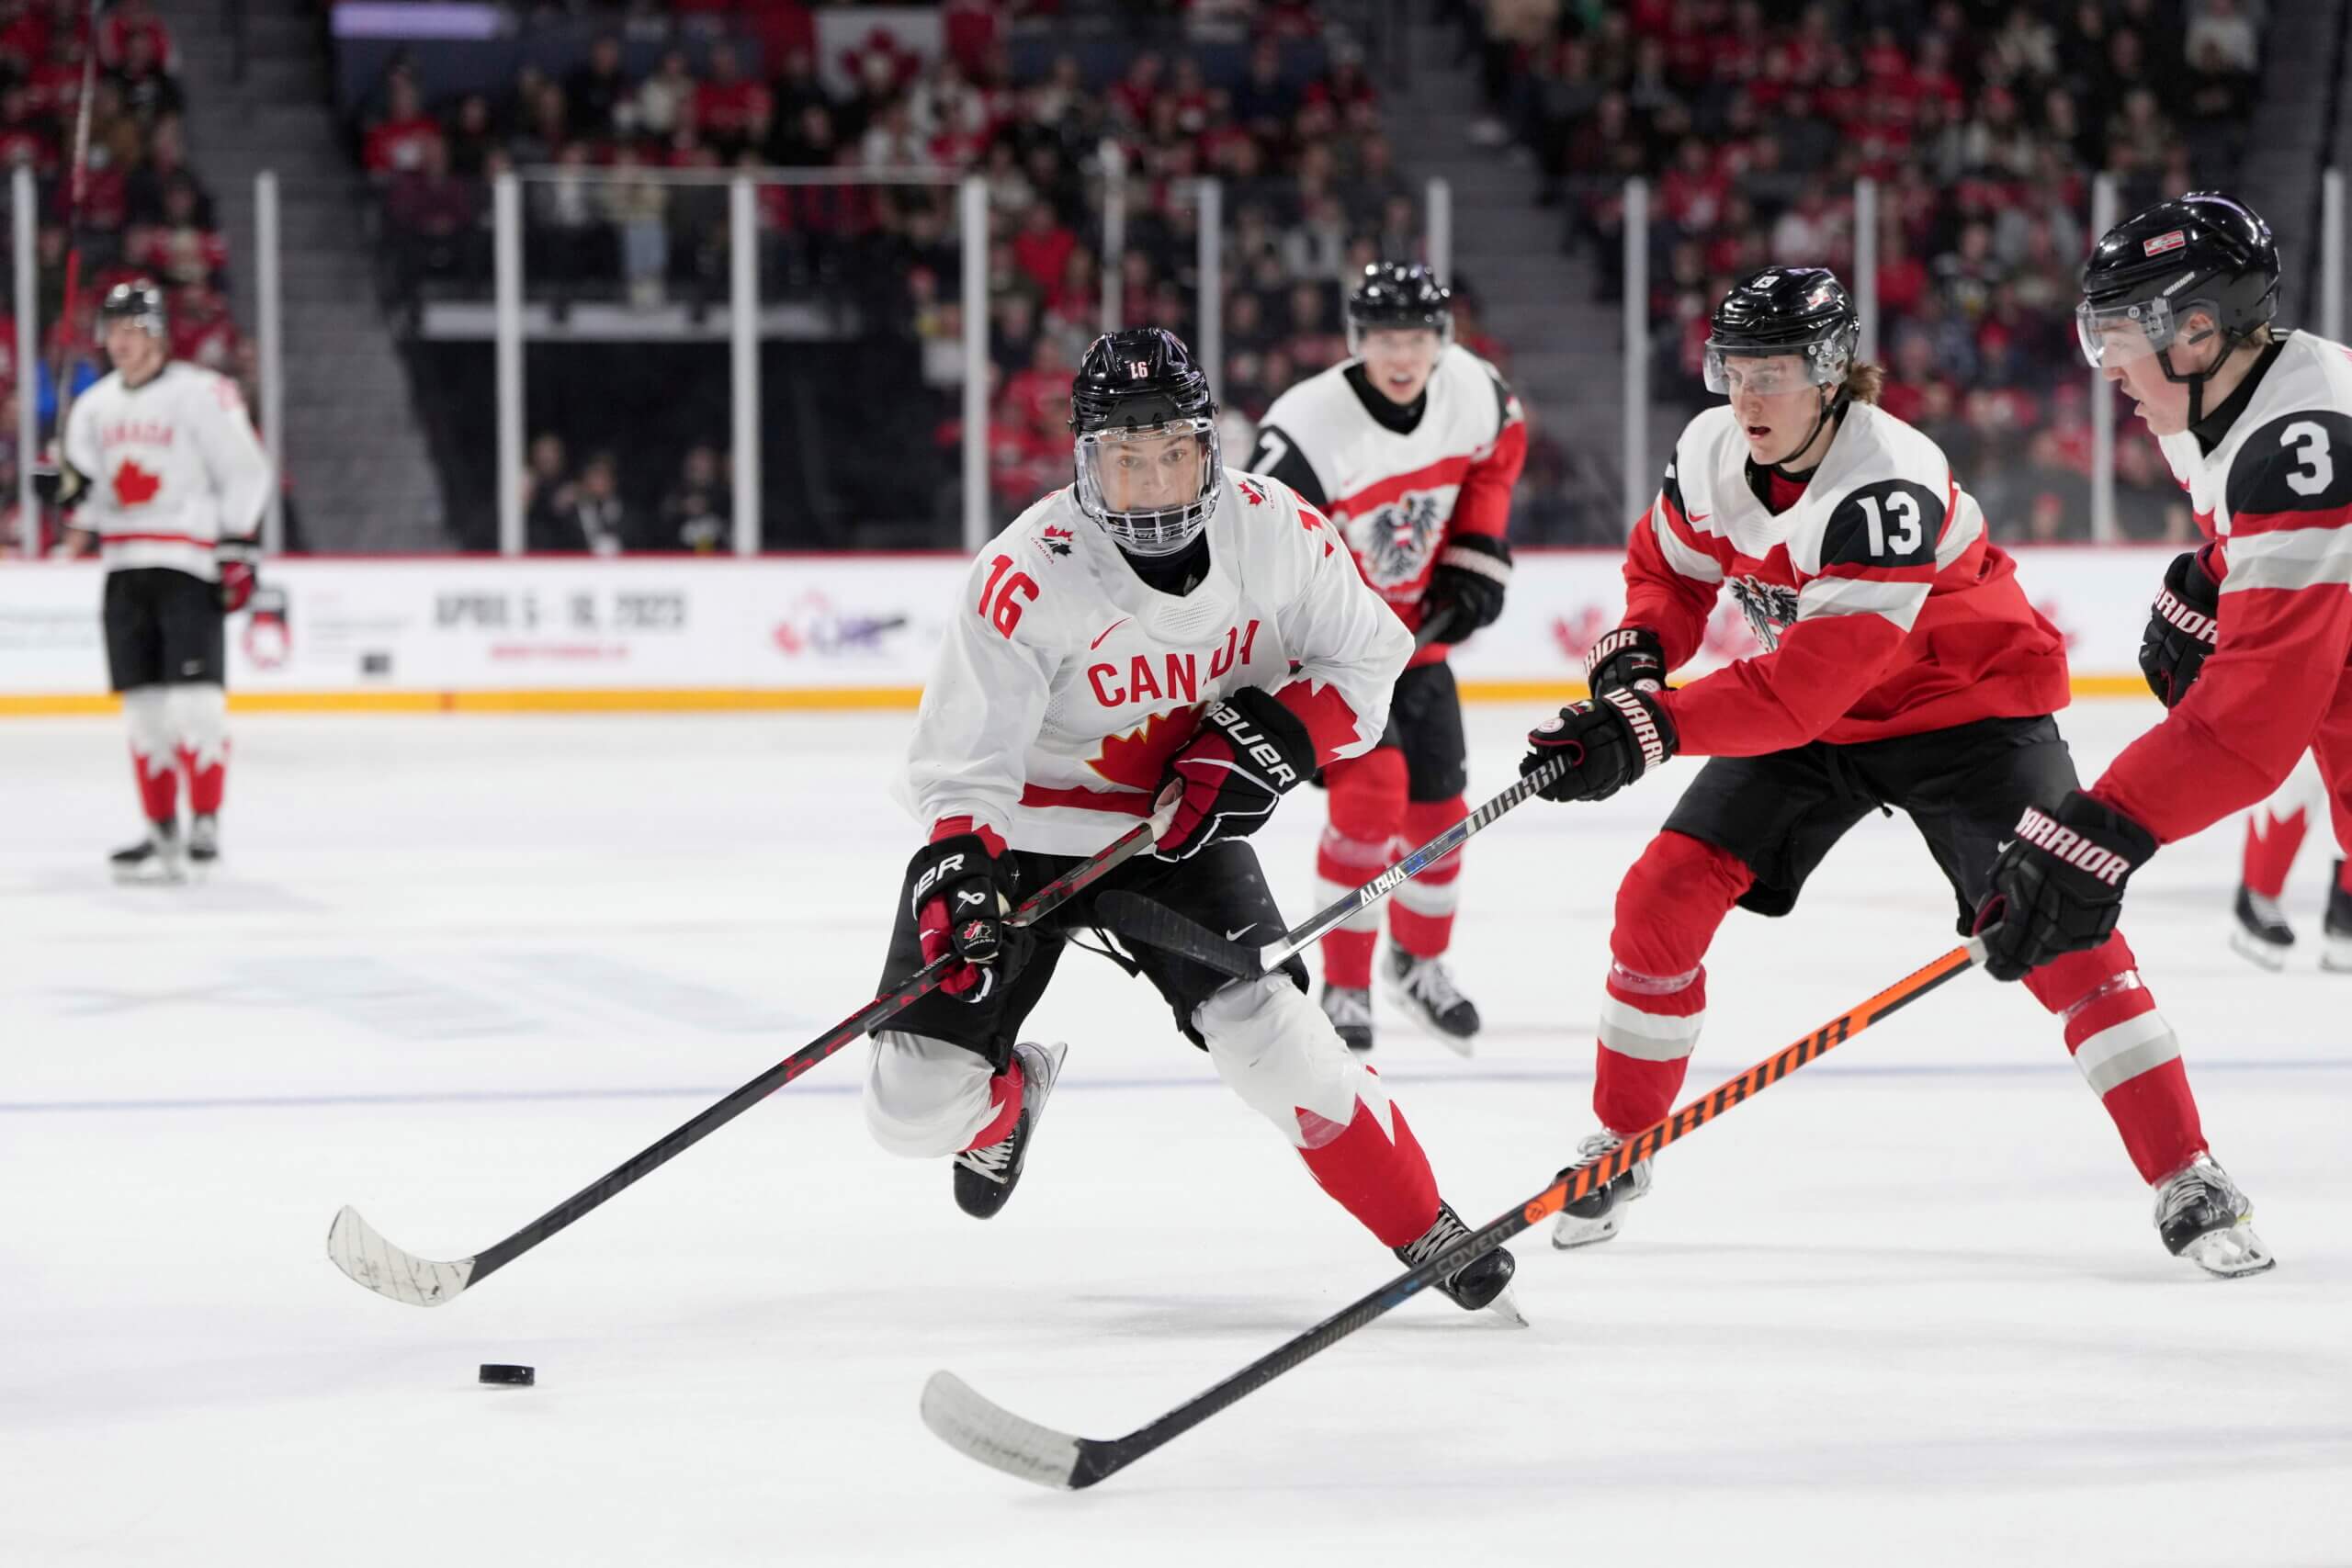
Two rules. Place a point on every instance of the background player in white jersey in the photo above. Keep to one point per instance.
(1166, 637)
(160, 462)
(2274, 831)
(1412, 447)
(2250, 641)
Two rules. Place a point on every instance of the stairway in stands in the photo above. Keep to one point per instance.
(363, 479)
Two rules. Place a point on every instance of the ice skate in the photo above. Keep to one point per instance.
(986, 1176)
(1424, 987)
(1595, 1218)
(203, 845)
(155, 858)
(1349, 1010)
(1484, 1282)
(2335, 933)
(2202, 1216)
(2262, 932)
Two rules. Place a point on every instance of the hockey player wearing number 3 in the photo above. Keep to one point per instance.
(1412, 449)
(1164, 640)
(2250, 642)
(1903, 667)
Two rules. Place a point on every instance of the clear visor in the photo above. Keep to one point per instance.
(2121, 334)
(1765, 375)
(1151, 489)
(1359, 331)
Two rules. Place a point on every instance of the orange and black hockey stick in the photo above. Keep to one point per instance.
(994, 1435)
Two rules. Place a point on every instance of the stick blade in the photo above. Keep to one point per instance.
(1155, 924)
(353, 1246)
(982, 1429)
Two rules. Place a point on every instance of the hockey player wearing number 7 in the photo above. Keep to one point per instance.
(1165, 639)
(2250, 642)
(1903, 667)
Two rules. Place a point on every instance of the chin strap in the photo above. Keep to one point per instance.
(1830, 408)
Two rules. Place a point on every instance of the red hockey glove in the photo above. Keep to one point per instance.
(2181, 627)
(1609, 742)
(1248, 751)
(960, 887)
(1630, 656)
(2058, 886)
(237, 584)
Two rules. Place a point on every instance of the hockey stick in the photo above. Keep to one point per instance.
(356, 1247)
(985, 1431)
(1154, 923)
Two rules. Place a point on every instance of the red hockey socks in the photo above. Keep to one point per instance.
(159, 786)
(1004, 1094)
(1367, 803)
(1667, 909)
(1420, 914)
(2270, 846)
(2127, 1053)
(206, 781)
(1379, 1175)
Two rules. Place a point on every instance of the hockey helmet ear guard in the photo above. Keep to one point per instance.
(1400, 296)
(1146, 458)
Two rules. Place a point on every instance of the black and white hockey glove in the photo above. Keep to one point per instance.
(1248, 751)
(1630, 656)
(1465, 591)
(960, 887)
(2181, 627)
(58, 483)
(2058, 886)
(1607, 741)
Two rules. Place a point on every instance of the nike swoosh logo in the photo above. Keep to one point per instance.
(1237, 934)
(1114, 625)
(1700, 516)
(2003, 847)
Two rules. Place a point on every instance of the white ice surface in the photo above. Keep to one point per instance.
(1906, 1308)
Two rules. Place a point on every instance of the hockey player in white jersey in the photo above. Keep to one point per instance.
(1412, 447)
(1168, 640)
(160, 463)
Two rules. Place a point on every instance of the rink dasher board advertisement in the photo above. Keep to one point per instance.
(579, 635)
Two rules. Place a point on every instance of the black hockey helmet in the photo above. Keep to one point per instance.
(1133, 390)
(2151, 272)
(1398, 295)
(1785, 310)
(140, 303)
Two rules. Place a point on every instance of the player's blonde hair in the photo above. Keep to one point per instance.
(1865, 382)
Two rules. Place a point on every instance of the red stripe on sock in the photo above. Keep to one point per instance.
(1004, 1092)
(1386, 1185)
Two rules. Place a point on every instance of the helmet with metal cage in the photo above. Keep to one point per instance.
(140, 303)
(1147, 439)
(2151, 273)
(1801, 310)
(1399, 296)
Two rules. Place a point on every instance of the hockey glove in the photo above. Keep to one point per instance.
(1248, 751)
(1607, 741)
(960, 887)
(2058, 886)
(1628, 657)
(2181, 627)
(1465, 591)
(57, 483)
(238, 579)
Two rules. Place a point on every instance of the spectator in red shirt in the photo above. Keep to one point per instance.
(730, 111)
(396, 144)
(1042, 248)
(128, 25)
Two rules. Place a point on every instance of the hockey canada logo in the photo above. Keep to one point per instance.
(1768, 607)
(1395, 543)
(1056, 540)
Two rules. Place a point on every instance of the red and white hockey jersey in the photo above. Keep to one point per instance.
(1066, 682)
(2276, 491)
(1882, 608)
(1400, 487)
(174, 469)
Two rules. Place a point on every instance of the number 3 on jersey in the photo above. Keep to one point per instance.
(1001, 609)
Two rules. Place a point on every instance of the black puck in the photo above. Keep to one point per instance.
(520, 1377)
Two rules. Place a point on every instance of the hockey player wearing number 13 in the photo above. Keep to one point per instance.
(1903, 667)
(1164, 640)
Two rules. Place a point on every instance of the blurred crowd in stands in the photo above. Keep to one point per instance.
(143, 211)
(1980, 122)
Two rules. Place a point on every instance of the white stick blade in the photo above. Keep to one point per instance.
(369, 1258)
(987, 1432)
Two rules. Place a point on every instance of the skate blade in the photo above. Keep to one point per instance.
(1505, 1307)
(2336, 956)
(2252, 948)
(2230, 1254)
(1569, 1231)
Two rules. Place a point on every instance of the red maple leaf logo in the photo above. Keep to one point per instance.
(1053, 533)
(1140, 758)
(134, 486)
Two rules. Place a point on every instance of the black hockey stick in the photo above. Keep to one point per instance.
(1148, 920)
(985, 1431)
(367, 1257)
